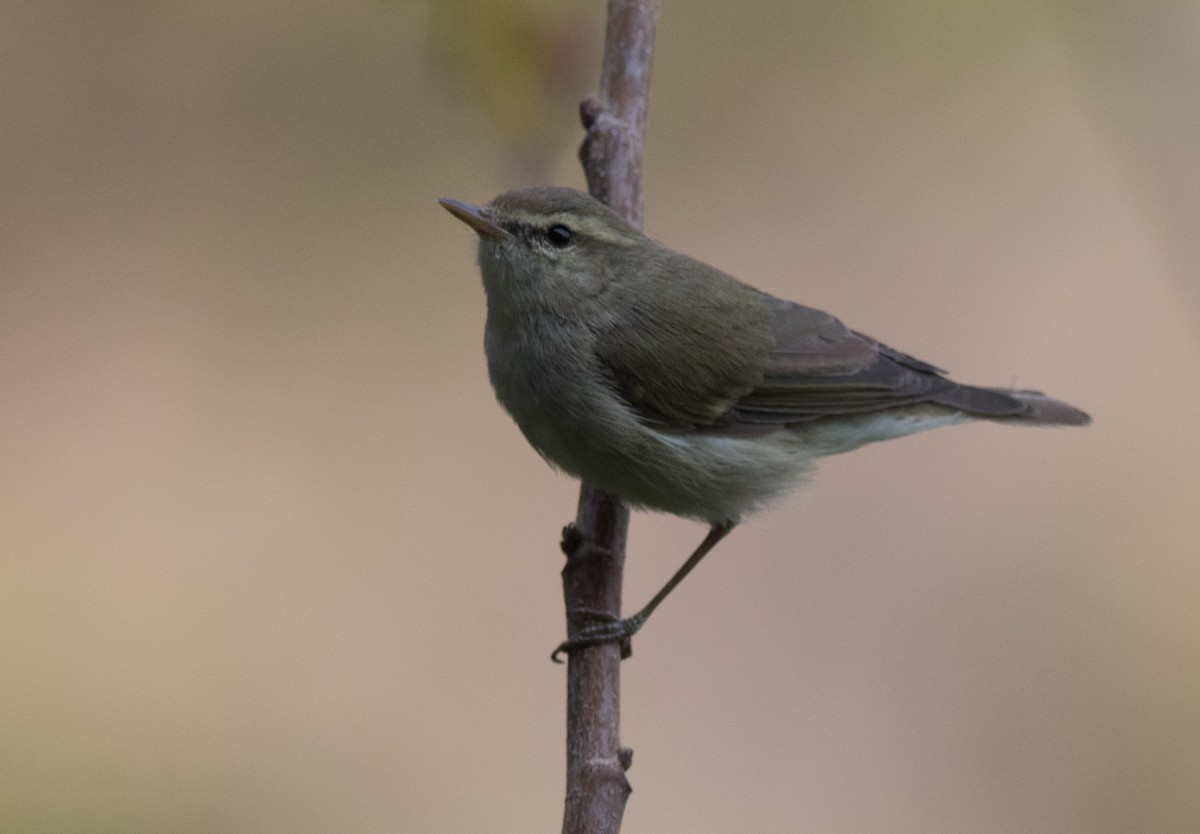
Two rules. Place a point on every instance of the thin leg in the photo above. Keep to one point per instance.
(622, 630)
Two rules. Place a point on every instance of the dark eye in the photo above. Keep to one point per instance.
(559, 236)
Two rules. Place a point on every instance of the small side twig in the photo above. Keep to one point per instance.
(612, 153)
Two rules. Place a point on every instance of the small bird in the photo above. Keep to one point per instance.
(679, 388)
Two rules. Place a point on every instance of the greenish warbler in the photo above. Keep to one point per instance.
(679, 388)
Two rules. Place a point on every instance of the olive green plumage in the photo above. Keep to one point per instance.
(677, 386)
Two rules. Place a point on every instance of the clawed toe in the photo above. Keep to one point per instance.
(621, 631)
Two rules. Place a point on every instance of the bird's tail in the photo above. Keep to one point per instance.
(1041, 410)
(1008, 406)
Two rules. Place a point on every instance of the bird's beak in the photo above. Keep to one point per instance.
(474, 216)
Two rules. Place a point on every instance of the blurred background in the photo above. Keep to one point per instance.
(273, 560)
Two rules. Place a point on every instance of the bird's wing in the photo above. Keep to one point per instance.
(683, 356)
(748, 368)
(818, 368)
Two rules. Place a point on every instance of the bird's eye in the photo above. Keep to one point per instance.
(559, 236)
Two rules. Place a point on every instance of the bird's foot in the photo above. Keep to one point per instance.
(615, 631)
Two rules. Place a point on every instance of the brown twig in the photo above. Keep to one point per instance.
(611, 154)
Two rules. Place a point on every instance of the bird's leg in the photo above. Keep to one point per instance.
(622, 630)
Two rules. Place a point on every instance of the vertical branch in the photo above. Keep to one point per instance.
(615, 118)
(612, 152)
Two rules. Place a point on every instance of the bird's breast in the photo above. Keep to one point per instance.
(545, 375)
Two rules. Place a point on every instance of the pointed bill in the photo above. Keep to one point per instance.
(474, 216)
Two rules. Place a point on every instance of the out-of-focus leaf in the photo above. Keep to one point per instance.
(526, 62)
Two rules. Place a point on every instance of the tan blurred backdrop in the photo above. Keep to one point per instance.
(272, 559)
